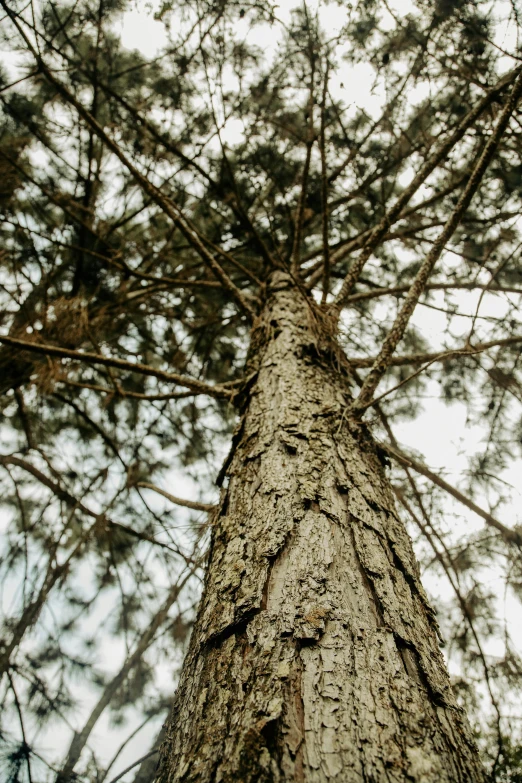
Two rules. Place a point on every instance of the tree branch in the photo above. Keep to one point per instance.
(197, 387)
(396, 333)
(135, 764)
(426, 169)
(299, 218)
(63, 494)
(165, 203)
(178, 501)
(510, 536)
(341, 249)
(420, 358)
(80, 738)
(402, 289)
(123, 393)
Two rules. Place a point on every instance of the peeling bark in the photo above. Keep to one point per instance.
(315, 656)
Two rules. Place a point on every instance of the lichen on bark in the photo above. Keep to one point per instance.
(315, 655)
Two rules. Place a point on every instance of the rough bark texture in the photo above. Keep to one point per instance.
(315, 655)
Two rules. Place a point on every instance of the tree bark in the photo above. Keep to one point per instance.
(315, 655)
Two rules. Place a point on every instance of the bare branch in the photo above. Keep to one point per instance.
(80, 738)
(402, 289)
(63, 494)
(420, 358)
(433, 161)
(135, 764)
(510, 535)
(398, 329)
(123, 393)
(299, 218)
(341, 249)
(197, 387)
(178, 501)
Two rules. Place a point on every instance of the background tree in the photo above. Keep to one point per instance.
(168, 225)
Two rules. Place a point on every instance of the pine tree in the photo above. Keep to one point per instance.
(214, 255)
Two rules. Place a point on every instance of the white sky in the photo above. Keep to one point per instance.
(440, 432)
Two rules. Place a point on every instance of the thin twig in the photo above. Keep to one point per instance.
(420, 358)
(134, 764)
(178, 501)
(364, 296)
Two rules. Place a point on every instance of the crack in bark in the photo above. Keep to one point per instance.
(368, 582)
(237, 629)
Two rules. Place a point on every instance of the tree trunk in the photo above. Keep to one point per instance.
(315, 654)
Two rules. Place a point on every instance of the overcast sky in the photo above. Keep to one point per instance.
(440, 432)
